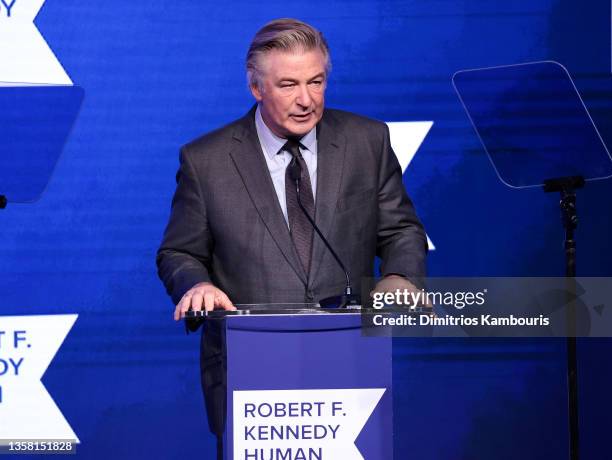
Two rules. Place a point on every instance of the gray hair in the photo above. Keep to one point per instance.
(284, 34)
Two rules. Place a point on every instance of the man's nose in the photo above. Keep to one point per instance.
(303, 98)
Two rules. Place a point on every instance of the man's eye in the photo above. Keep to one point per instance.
(287, 85)
(316, 82)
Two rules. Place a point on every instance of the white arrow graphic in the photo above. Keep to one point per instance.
(406, 138)
(301, 423)
(25, 57)
(27, 346)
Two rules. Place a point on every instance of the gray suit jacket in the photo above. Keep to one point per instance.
(227, 227)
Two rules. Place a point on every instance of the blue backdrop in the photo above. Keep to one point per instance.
(157, 74)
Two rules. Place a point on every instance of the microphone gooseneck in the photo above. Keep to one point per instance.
(348, 298)
(295, 172)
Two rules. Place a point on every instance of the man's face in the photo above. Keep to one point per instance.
(291, 92)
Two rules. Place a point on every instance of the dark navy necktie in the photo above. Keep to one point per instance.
(300, 228)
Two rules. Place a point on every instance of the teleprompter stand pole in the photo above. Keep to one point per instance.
(567, 186)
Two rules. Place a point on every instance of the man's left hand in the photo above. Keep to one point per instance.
(397, 283)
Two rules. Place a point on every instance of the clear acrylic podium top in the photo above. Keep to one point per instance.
(301, 309)
(273, 309)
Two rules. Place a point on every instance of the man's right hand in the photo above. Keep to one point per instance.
(203, 295)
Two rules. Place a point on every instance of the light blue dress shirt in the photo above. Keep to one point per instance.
(277, 162)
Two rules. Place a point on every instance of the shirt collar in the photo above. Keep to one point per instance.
(271, 143)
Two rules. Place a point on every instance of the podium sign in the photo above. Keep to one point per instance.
(306, 386)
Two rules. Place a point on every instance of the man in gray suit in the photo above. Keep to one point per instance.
(236, 234)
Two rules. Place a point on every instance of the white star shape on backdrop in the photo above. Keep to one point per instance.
(406, 138)
(26, 405)
(25, 56)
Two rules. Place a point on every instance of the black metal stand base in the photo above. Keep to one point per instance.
(341, 301)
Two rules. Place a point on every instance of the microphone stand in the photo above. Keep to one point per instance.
(348, 298)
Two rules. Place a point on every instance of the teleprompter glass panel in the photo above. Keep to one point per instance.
(533, 123)
(35, 122)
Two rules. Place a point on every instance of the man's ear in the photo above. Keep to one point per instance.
(256, 92)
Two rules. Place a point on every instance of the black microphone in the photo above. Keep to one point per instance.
(295, 172)
(348, 298)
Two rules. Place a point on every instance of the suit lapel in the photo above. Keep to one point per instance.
(331, 150)
(248, 158)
